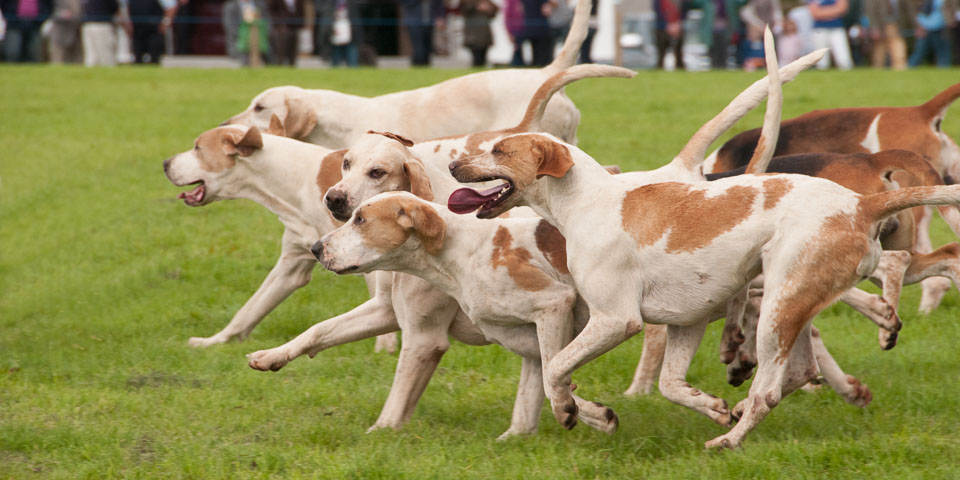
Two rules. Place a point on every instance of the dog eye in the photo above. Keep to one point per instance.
(196, 148)
(358, 220)
(346, 164)
(258, 108)
(377, 173)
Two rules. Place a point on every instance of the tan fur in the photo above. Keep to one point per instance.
(419, 181)
(517, 262)
(330, 172)
(773, 190)
(552, 244)
(650, 211)
(425, 222)
(215, 150)
(276, 127)
(405, 141)
(300, 121)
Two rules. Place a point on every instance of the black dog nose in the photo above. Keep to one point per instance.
(317, 250)
(166, 165)
(336, 201)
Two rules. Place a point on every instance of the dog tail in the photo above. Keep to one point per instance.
(770, 132)
(538, 104)
(938, 105)
(579, 26)
(881, 205)
(693, 153)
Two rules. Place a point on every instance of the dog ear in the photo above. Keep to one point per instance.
(419, 182)
(425, 221)
(613, 169)
(276, 126)
(246, 146)
(300, 121)
(405, 141)
(555, 159)
(330, 173)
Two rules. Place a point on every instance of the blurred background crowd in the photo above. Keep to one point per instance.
(669, 34)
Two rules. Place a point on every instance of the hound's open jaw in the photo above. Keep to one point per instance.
(194, 197)
(466, 200)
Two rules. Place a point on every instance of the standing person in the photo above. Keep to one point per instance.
(887, 18)
(344, 34)
(183, 28)
(828, 31)
(24, 18)
(419, 18)
(933, 21)
(150, 19)
(536, 30)
(65, 44)
(286, 17)
(669, 30)
(513, 20)
(477, 36)
(99, 33)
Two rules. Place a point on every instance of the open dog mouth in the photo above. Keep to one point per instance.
(466, 200)
(194, 197)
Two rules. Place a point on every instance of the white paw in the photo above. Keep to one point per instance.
(268, 360)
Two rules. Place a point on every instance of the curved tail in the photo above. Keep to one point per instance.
(538, 104)
(693, 153)
(937, 105)
(881, 205)
(770, 132)
(575, 37)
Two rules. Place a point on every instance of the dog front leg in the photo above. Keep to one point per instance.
(529, 401)
(291, 272)
(424, 341)
(371, 318)
(682, 344)
(651, 359)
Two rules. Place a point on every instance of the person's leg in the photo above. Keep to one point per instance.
(34, 44)
(542, 50)
(353, 54)
(585, 54)
(840, 47)
(479, 55)
(156, 46)
(920, 50)
(821, 39)
(718, 51)
(663, 41)
(897, 48)
(517, 60)
(941, 48)
(678, 52)
(13, 44)
(337, 55)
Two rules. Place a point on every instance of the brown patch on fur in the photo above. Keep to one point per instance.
(405, 141)
(757, 153)
(453, 153)
(330, 172)
(417, 176)
(649, 212)
(773, 190)
(276, 126)
(552, 244)
(388, 223)
(517, 262)
(436, 149)
(909, 129)
(216, 149)
(300, 121)
(613, 169)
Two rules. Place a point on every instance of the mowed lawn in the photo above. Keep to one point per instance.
(104, 275)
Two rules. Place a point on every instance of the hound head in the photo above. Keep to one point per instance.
(213, 163)
(384, 233)
(377, 163)
(518, 160)
(293, 114)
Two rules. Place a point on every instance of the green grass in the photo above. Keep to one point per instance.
(104, 275)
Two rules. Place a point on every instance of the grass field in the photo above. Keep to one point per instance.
(104, 275)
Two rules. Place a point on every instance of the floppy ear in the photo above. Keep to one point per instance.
(425, 221)
(613, 169)
(555, 159)
(405, 141)
(246, 146)
(330, 170)
(419, 182)
(276, 126)
(300, 121)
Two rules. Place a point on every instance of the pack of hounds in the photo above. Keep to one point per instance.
(565, 258)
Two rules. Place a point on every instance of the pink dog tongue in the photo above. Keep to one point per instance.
(466, 200)
(195, 195)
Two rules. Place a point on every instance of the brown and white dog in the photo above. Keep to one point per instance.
(918, 129)
(508, 275)
(278, 173)
(472, 103)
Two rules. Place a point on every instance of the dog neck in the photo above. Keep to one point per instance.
(341, 119)
(559, 200)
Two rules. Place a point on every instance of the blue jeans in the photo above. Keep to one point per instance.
(348, 54)
(936, 41)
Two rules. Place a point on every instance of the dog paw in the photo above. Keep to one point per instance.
(203, 342)
(268, 360)
(566, 414)
(740, 371)
(723, 442)
(858, 395)
(720, 413)
(887, 338)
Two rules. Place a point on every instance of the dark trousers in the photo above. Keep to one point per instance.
(23, 41)
(283, 45)
(421, 42)
(479, 56)
(542, 46)
(147, 43)
(933, 41)
(585, 56)
(719, 50)
(666, 42)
